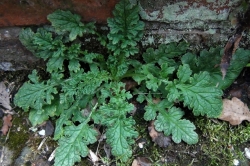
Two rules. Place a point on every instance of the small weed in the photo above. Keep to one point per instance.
(85, 89)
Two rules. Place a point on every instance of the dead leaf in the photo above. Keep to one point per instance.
(141, 161)
(243, 23)
(236, 92)
(135, 163)
(158, 137)
(6, 124)
(234, 111)
(129, 84)
(229, 51)
(4, 96)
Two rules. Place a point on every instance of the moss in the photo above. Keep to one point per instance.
(85, 162)
(230, 140)
(214, 134)
(18, 135)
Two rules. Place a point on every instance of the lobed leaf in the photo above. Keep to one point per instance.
(122, 140)
(203, 99)
(66, 21)
(55, 64)
(239, 60)
(165, 53)
(153, 75)
(197, 93)
(184, 73)
(120, 129)
(74, 65)
(74, 145)
(60, 123)
(39, 116)
(125, 29)
(170, 123)
(26, 38)
(152, 109)
(35, 95)
(209, 61)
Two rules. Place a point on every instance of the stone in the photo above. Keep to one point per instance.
(195, 21)
(13, 55)
(203, 23)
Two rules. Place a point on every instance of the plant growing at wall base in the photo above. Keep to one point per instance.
(80, 79)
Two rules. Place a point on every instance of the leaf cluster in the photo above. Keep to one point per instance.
(77, 77)
(85, 88)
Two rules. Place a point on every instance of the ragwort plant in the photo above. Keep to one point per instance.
(78, 77)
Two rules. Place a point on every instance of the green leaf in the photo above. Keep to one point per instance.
(114, 116)
(166, 71)
(152, 108)
(80, 83)
(190, 59)
(150, 113)
(74, 65)
(122, 140)
(55, 64)
(170, 123)
(201, 96)
(66, 21)
(93, 80)
(238, 62)
(184, 73)
(26, 38)
(43, 39)
(174, 49)
(125, 29)
(209, 61)
(153, 75)
(73, 145)
(38, 116)
(197, 92)
(173, 93)
(89, 57)
(140, 98)
(60, 122)
(46, 46)
(118, 107)
(165, 53)
(153, 82)
(122, 69)
(73, 51)
(35, 95)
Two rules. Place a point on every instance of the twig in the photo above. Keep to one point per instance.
(52, 156)
(41, 144)
(2, 155)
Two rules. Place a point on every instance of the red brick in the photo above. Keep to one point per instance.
(34, 12)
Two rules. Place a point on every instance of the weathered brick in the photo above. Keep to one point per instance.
(34, 12)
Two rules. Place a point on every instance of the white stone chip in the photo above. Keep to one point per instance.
(247, 153)
(236, 162)
(41, 132)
